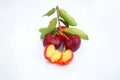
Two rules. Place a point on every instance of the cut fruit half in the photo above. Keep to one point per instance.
(52, 54)
(58, 56)
(67, 57)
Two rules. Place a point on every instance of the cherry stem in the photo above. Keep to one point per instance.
(64, 36)
(57, 8)
(55, 34)
(58, 15)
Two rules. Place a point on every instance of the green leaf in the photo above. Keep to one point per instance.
(52, 23)
(45, 31)
(50, 12)
(42, 30)
(67, 18)
(43, 35)
(51, 28)
(79, 32)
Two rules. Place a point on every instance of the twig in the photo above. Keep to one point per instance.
(57, 8)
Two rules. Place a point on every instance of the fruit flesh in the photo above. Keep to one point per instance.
(66, 58)
(52, 54)
(58, 56)
(50, 50)
(66, 55)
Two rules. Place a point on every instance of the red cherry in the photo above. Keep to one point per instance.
(51, 39)
(62, 27)
(73, 42)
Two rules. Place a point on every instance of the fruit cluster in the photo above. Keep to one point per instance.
(60, 42)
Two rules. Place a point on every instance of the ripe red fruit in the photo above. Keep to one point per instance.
(51, 39)
(62, 27)
(73, 42)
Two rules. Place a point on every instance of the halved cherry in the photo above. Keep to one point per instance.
(58, 56)
(52, 54)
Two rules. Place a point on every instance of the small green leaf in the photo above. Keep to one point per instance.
(42, 30)
(67, 18)
(79, 32)
(43, 35)
(52, 23)
(50, 12)
(45, 31)
(51, 28)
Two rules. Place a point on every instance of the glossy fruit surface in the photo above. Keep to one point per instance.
(73, 43)
(62, 28)
(52, 39)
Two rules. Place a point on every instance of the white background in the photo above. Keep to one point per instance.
(21, 50)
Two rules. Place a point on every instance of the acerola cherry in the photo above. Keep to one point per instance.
(62, 27)
(73, 42)
(52, 39)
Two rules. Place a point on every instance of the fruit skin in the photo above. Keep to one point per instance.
(62, 27)
(51, 39)
(58, 56)
(67, 17)
(73, 42)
